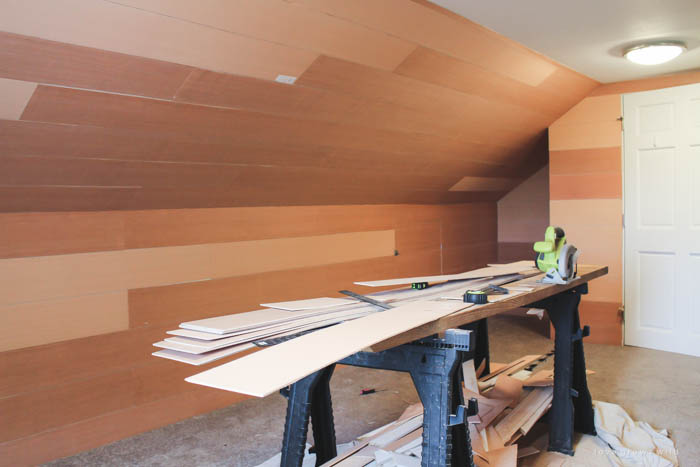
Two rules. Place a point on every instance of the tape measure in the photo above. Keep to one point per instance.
(476, 296)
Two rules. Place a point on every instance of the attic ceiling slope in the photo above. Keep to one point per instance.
(172, 104)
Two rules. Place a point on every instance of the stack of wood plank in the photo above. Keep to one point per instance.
(207, 340)
(511, 401)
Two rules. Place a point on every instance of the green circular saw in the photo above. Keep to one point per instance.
(556, 258)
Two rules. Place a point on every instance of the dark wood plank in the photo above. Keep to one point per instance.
(43, 61)
(39, 234)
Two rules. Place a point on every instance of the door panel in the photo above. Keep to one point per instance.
(662, 219)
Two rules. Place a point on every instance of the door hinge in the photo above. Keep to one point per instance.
(623, 220)
(621, 313)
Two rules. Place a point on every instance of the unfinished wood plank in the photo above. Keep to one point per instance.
(245, 321)
(196, 346)
(503, 457)
(306, 354)
(538, 412)
(310, 304)
(520, 415)
(475, 274)
(202, 359)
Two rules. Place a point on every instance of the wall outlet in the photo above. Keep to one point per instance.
(286, 79)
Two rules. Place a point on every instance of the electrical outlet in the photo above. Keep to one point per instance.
(286, 79)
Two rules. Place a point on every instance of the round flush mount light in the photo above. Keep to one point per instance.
(655, 53)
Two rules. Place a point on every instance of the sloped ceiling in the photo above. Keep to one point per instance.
(140, 104)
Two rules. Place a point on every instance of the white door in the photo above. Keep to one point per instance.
(662, 219)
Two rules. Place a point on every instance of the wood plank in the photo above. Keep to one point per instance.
(14, 96)
(203, 358)
(49, 62)
(47, 366)
(464, 114)
(648, 84)
(444, 32)
(499, 184)
(32, 279)
(292, 25)
(356, 335)
(46, 233)
(591, 110)
(102, 25)
(476, 274)
(434, 67)
(586, 274)
(83, 399)
(597, 185)
(109, 427)
(37, 323)
(585, 136)
(580, 161)
(310, 304)
(520, 415)
(216, 125)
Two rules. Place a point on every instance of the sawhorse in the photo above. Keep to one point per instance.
(435, 368)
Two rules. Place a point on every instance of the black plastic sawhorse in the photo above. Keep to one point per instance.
(435, 367)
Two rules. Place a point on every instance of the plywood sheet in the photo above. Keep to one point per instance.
(310, 304)
(49, 62)
(14, 96)
(306, 354)
(44, 322)
(110, 26)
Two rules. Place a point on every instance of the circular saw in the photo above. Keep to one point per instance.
(556, 258)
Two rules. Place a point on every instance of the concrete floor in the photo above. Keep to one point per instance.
(658, 387)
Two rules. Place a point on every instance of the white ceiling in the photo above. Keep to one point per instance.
(589, 35)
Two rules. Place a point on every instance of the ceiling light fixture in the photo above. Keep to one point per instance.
(655, 53)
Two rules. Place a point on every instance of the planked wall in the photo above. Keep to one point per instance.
(153, 171)
(156, 104)
(85, 294)
(585, 188)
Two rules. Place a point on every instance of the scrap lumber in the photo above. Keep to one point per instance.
(523, 412)
(304, 355)
(503, 457)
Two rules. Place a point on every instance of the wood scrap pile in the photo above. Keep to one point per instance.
(511, 399)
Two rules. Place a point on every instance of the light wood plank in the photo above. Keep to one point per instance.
(32, 279)
(37, 323)
(118, 28)
(312, 352)
(514, 268)
(286, 23)
(585, 136)
(485, 184)
(14, 96)
(591, 110)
